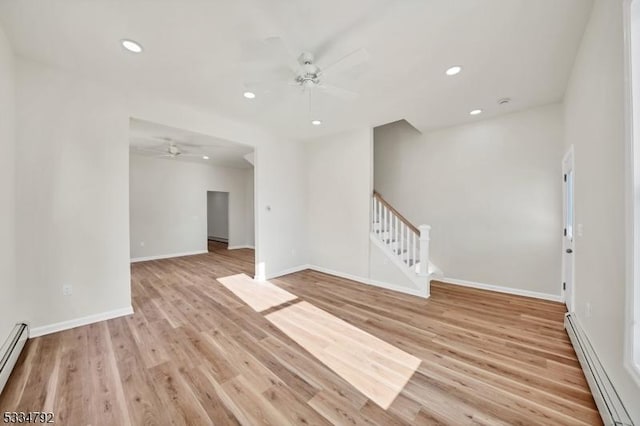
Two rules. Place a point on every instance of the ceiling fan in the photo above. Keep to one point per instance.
(305, 73)
(171, 148)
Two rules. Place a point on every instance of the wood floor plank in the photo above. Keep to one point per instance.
(179, 401)
(196, 353)
(106, 385)
(249, 405)
(204, 387)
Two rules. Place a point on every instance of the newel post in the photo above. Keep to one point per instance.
(424, 250)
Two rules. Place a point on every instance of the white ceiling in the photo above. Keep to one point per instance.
(203, 51)
(152, 140)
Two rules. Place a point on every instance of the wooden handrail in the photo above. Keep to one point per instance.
(403, 219)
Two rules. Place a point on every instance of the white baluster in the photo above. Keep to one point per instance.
(395, 233)
(385, 218)
(414, 249)
(424, 250)
(393, 227)
(401, 240)
(373, 212)
(406, 243)
(389, 222)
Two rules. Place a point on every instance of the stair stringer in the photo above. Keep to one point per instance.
(393, 273)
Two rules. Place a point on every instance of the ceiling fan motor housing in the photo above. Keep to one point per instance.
(173, 150)
(309, 72)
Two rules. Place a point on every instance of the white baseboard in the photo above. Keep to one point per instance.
(217, 239)
(287, 271)
(609, 403)
(369, 281)
(167, 256)
(500, 289)
(90, 319)
(240, 247)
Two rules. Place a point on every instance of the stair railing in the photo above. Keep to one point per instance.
(408, 242)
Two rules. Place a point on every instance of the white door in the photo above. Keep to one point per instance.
(568, 264)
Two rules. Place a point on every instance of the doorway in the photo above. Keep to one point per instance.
(568, 213)
(217, 220)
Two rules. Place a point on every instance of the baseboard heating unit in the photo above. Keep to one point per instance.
(609, 404)
(10, 351)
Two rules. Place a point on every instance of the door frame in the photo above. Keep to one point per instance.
(568, 163)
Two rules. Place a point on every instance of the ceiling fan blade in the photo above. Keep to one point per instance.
(283, 52)
(338, 92)
(268, 86)
(370, 19)
(158, 150)
(166, 139)
(352, 60)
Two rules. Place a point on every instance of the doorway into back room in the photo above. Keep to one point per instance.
(217, 220)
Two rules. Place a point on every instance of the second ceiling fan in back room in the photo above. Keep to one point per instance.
(162, 146)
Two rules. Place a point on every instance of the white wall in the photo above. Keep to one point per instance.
(73, 198)
(339, 191)
(9, 313)
(168, 205)
(633, 290)
(218, 213)
(491, 191)
(594, 122)
(281, 208)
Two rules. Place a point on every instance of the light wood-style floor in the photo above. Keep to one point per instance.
(193, 353)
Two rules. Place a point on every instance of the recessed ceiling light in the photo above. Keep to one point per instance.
(205, 157)
(454, 70)
(316, 122)
(476, 112)
(131, 46)
(249, 95)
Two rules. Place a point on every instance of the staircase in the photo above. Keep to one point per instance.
(406, 245)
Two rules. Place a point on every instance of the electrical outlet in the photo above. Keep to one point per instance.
(580, 230)
(67, 289)
(587, 310)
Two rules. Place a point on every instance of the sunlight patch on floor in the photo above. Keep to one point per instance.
(260, 295)
(374, 367)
